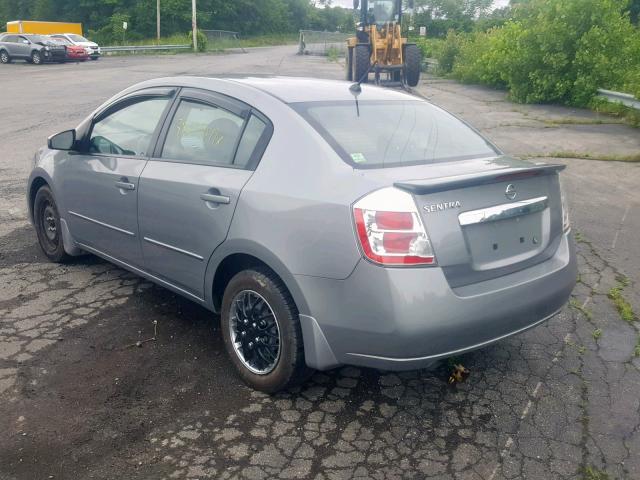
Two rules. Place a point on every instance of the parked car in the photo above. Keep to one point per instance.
(31, 48)
(75, 53)
(92, 48)
(327, 225)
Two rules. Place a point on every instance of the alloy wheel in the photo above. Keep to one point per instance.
(254, 332)
(49, 225)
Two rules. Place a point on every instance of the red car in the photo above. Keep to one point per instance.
(75, 53)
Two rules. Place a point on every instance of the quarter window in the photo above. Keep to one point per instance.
(128, 131)
(252, 134)
(202, 133)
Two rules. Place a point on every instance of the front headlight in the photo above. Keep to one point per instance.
(47, 48)
(566, 223)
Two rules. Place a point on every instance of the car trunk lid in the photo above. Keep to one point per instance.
(488, 218)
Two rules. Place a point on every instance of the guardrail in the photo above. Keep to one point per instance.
(624, 98)
(142, 48)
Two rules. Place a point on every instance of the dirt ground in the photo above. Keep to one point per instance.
(78, 399)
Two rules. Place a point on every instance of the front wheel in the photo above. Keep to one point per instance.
(4, 57)
(361, 63)
(36, 58)
(412, 61)
(47, 222)
(262, 332)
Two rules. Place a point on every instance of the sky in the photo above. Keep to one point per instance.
(349, 3)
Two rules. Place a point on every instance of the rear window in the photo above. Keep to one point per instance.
(393, 133)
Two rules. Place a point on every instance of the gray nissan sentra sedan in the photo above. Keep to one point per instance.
(326, 225)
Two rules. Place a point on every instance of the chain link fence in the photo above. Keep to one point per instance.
(322, 43)
(223, 40)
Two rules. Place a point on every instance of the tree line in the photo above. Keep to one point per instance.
(102, 19)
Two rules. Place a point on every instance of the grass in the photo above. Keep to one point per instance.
(636, 350)
(626, 114)
(579, 121)
(177, 39)
(590, 156)
(573, 303)
(269, 40)
(218, 44)
(597, 333)
(333, 54)
(624, 308)
(592, 473)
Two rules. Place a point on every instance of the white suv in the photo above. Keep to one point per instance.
(92, 48)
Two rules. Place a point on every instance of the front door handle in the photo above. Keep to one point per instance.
(220, 199)
(126, 185)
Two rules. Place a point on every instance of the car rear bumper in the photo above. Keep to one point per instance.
(408, 318)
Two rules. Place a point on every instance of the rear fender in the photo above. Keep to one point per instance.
(250, 247)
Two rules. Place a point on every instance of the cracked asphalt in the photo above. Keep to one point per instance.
(79, 399)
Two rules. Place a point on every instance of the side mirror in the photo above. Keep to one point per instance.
(62, 141)
(356, 4)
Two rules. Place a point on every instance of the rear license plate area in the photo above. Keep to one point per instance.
(503, 242)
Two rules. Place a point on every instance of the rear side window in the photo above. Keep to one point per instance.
(129, 130)
(202, 133)
(393, 133)
(252, 134)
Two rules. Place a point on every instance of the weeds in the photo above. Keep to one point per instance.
(591, 156)
(624, 308)
(573, 303)
(592, 473)
(597, 333)
(332, 54)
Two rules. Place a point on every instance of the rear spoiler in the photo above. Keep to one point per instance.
(434, 185)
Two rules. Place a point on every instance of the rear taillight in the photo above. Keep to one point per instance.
(389, 229)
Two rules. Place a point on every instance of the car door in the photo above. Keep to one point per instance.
(189, 189)
(100, 185)
(22, 47)
(12, 45)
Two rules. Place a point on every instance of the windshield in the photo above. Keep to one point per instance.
(78, 38)
(393, 133)
(61, 40)
(382, 11)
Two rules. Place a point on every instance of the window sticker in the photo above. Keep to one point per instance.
(358, 157)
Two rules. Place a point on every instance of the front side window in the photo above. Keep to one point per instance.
(129, 130)
(202, 133)
(379, 134)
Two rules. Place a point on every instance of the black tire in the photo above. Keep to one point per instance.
(4, 57)
(94, 58)
(48, 228)
(36, 58)
(349, 64)
(289, 367)
(361, 63)
(412, 61)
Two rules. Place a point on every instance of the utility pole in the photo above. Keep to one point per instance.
(158, 20)
(194, 25)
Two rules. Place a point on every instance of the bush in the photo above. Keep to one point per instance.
(202, 40)
(552, 51)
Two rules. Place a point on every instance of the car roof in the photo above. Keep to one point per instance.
(286, 89)
(302, 89)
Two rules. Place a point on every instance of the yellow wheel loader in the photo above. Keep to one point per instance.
(379, 47)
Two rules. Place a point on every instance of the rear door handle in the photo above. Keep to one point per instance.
(126, 185)
(210, 198)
